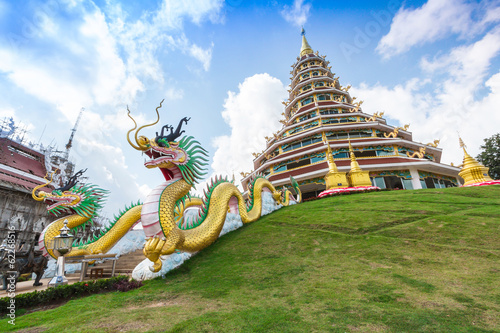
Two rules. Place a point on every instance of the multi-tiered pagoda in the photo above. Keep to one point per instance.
(320, 112)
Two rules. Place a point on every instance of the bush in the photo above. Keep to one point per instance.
(126, 285)
(67, 292)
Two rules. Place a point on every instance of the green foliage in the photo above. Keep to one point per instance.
(67, 292)
(490, 155)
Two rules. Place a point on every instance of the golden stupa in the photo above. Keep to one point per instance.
(357, 177)
(334, 178)
(472, 171)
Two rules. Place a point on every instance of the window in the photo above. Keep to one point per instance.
(319, 84)
(279, 168)
(340, 155)
(407, 184)
(306, 101)
(298, 164)
(305, 76)
(379, 182)
(315, 73)
(328, 111)
(316, 159)
(324, 97)
(306, 87)
(384, 153)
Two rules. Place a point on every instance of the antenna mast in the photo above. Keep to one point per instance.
(70, 141)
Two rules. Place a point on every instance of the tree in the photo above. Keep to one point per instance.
(490, 155)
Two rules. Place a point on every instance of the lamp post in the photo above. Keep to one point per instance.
(61, 245)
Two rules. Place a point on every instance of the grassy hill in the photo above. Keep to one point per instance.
(400, 261)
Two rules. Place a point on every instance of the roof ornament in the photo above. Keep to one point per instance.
(306, 48)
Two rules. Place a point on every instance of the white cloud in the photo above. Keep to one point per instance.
(172, 12)
(252, 113)
(203, 55)
(296, 14)
(452, 105)
(435, 20)
(174, 94)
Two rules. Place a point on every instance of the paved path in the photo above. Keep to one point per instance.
(27, 286)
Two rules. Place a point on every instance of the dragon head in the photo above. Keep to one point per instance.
(84, 200)
(185, 155)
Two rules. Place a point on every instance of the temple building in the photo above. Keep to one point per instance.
(23, 166)
(323, 124)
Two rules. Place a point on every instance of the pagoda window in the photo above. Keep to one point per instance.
(307, 116)
(305, 76)
(330, 121)
(306, 142)
(324, 97)
(316, 139)
(279, 168)
(328, 111)
(315, 73)
(317, 159)
(319, 84)
(306, 87)
(340, 155)
(298, 164)
(306, 101)
(385, 153)
(369, 153)
(312, 124)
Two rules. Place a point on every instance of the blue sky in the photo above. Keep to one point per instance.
(433, 64)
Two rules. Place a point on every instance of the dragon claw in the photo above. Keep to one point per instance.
(152, 251)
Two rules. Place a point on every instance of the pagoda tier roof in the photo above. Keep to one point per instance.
(356, 143)
(404, 139)
(378, 164)
(21, 167)
(20, 157)
(342, 126)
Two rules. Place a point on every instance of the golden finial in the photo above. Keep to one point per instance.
(306, 48)
(329, 158)
(461, 142)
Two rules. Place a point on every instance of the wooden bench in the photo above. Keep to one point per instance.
(84, 260)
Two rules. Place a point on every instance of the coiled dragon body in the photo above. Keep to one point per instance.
(162, 214)
(182, 163)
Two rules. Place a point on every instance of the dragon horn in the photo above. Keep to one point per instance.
(128, 133)
(141, 146)
(33, 193)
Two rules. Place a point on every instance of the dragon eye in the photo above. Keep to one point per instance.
(163, 143)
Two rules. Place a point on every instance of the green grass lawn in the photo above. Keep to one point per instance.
(400, 261)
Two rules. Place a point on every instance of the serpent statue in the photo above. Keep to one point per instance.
(182, 164)
(162, 214)
(82, 203)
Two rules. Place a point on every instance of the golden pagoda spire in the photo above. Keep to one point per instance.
(472, 171)
(333, 178)
(306, 48)
(329, 158)
(354, 164)
(357, 177)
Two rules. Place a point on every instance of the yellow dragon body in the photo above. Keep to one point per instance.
(182, 165)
